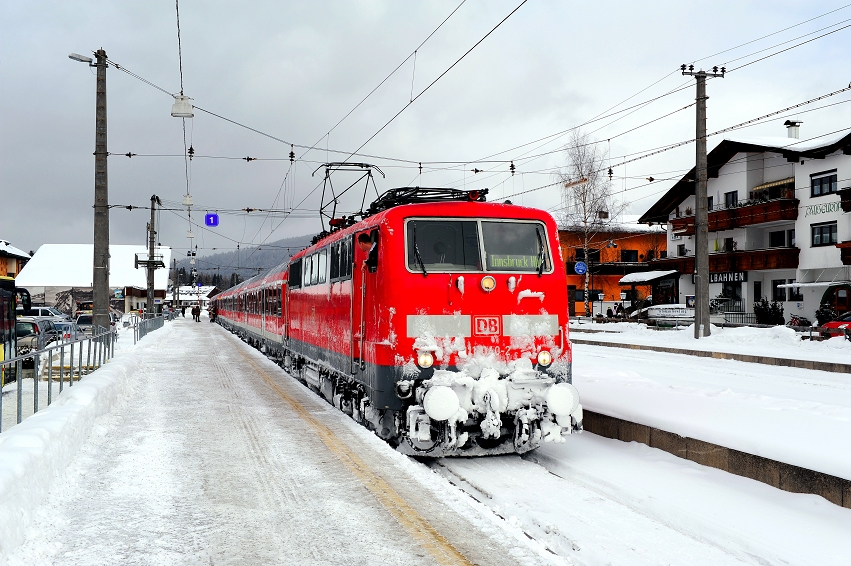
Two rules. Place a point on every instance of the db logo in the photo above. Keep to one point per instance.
(486, 324)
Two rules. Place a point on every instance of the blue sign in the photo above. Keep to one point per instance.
(199, 284)
(580, 268)
(211, 219)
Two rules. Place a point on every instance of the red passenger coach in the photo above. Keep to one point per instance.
(439, 321)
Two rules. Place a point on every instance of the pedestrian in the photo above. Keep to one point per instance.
(183, 311)
(609, 313)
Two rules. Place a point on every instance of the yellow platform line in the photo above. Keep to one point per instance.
(418, 527)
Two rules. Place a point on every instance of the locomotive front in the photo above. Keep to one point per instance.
(476, 321)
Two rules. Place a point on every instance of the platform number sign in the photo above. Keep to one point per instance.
(211, 219)
(486, 325)
(580, 268)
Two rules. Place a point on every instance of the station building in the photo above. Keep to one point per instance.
(779, 225)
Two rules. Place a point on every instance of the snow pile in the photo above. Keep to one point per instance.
(35, 452)
(777, 341)
(797, 416)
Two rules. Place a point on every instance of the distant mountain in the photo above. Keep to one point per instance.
(217, 269)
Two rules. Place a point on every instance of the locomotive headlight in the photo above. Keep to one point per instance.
(544, 358)
(425, 359)
(488, 283)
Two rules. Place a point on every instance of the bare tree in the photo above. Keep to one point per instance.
(589, 207)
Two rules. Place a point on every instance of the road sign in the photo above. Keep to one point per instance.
(211, 219)
(580, 268)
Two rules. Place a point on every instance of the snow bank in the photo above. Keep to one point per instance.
(777, 341)
(35, 452)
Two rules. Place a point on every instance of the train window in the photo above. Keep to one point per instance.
(322, 265)
(294, 278)
(515, 246)
(335, 261)
(443, 245)
(314, 269)
(346, 259)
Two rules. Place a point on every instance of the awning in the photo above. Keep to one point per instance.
(647, 277)
(815, 284)
(790, 180)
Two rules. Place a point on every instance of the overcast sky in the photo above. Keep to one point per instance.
(294, 69)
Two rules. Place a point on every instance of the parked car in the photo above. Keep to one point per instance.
(35, 333)
(44, 312)
(70, 331)
(84, 321)
(841, 323)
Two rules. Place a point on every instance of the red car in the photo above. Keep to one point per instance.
(841, 323)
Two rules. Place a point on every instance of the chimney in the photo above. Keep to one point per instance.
(792, 128)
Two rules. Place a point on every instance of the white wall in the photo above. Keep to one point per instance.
(826, 256)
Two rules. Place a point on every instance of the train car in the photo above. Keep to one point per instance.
(439, 321)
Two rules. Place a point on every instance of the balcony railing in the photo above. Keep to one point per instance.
(745, 260)
(743, 213)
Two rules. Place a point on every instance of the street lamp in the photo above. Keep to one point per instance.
(100, 275)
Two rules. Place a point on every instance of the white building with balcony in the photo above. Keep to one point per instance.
(777, 226)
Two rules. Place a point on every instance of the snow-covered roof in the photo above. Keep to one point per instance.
(203, 290)
(792, 144)
(646, 277)
(10, 250)
(70, 265)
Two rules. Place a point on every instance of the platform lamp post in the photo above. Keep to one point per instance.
(100, 272)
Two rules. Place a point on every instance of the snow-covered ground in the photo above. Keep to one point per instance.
(600, 501)
(796, 416)
(201, 462)
(778, 342)
(178, 452)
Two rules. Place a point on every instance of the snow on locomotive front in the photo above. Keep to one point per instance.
(470, 309)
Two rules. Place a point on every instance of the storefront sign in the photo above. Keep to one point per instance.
(823, 208)
(726, 277)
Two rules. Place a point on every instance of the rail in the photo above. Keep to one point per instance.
(144, 327)
(75, 358)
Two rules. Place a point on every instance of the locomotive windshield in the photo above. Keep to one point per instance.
(459, 245)
(443, 245)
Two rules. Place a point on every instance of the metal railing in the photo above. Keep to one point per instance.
(75, 358)
(143, 327)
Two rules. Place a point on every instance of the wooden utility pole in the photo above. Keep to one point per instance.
(701, 220)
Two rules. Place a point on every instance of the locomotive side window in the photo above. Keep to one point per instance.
(443, 245)
(335, 260)
(294, 279)
(346, 258)
(322, 265)
(515, 246)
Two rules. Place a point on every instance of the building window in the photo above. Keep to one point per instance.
(823, 183)
(729, 245)
(663, 254)
(731, 199)
(629, 256)
(781, 239)
(709, 203)
(795, 292)
(681, 250)
(778, 293)
(824, 234)
(593, 255)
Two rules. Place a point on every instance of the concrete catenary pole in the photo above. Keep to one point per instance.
(100, 275)
(152, 238)
(174, 284)
(701, 220)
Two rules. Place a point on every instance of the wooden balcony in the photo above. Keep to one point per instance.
(845, 252)
(747, 260)
(742, 215)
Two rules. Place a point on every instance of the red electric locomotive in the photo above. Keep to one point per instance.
(439, 321)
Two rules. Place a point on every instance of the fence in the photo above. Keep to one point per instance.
(76, 358)
(146, 326)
